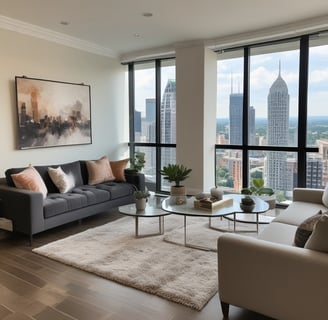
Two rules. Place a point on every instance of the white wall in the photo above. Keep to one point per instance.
(36, 58)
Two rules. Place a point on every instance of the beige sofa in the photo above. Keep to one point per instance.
(272, 276)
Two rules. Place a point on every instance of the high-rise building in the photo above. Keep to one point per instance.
(251, 126)
(168, 123)
(151, 110)
(236, 118)
(278, 125)
(168, 113)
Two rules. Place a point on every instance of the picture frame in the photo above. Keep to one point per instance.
(52, 113)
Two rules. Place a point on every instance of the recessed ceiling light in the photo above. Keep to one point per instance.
(147, 14)
(64, 23)
(136, 35)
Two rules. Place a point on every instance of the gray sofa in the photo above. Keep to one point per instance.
(269, 274)
(31, 214)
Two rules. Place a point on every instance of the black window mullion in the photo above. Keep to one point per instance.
(158, 123)
(245, 118)
(302, 109)
(131, 107)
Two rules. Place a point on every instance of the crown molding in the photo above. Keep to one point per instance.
(53, 36)
(270, 34)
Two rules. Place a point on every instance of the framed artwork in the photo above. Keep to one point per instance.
(52, 113)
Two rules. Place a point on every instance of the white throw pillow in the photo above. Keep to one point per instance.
(325, 197)
(318, 240)
(64, 182)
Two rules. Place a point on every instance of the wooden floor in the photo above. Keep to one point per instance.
(34, 287)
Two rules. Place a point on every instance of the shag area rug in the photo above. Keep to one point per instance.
(171, 271)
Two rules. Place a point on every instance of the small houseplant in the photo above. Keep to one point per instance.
(141, 199)
(258, 189)
(176, 173)
(137, 162)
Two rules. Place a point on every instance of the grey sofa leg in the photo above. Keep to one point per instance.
(225, 309)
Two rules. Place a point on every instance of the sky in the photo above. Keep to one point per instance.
(264, 70)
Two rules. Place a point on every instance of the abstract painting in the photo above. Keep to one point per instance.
(52, 113)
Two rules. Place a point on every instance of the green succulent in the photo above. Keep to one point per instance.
(257, 188)
(175, 173)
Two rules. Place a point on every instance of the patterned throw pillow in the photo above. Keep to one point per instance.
(99, 171)
(305, 229)
(30, 179)
(318, 240)
(64, 182)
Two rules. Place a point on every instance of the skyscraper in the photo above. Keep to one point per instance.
(236, 118)
(168, 113)
(278, 125)
(168, 122)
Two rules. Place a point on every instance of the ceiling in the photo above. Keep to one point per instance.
(119, 27)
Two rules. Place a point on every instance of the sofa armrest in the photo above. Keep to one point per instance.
(137, 179)
(24, 208)
(280, 281)
(308, 195)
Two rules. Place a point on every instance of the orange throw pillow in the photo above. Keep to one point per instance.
(30, 179)
(118, 168)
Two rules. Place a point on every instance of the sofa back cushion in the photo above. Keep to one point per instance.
(72, 168)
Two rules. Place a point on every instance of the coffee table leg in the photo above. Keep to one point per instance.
(160, 228)
(137, 226)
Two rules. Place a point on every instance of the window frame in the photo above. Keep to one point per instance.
(157, 144)
(301, 149)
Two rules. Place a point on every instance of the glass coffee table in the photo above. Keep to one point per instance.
(231, 210)
(152, 210)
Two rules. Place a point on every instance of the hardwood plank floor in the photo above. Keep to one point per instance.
(34, 287)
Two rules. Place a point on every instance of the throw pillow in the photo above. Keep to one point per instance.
(64, 182)
(30, 179)
(118, 169)
(318, 240)
(99, 171)
(325, 197)
(305, 229)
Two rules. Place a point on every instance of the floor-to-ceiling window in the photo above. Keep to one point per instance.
(272, 118)
(152, 99)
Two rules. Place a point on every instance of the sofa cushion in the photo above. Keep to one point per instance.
(318, 240)
(64, 182)
(30, 179)
(117, 189)
(57, 203)
(298, 211)
(305, 229)
(92, 194)
(325, 196)
(279, 233)
(99, 171)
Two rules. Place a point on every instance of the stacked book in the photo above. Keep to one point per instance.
(212, 203)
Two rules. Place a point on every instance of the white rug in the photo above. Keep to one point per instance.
(171, 271)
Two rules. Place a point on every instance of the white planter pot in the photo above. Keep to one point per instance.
(141, 204)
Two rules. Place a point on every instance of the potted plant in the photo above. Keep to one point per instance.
(137, 162)
(257, 188)
(141, 198)
(133, 174)
(176, 173)
(247, 204)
